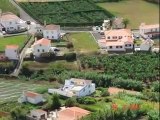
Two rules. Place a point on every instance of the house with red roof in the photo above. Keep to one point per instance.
(149, 31)
(31, 97)
(51, 32)
(41, 46)
(11, 52)
(117, 40)
(71, 113)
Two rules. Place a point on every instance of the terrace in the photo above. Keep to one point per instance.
(19, 40)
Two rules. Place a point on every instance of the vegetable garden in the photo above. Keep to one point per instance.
(67, 13)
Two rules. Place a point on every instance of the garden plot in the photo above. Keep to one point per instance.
(10, 91)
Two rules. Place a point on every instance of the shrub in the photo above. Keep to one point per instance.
(86, 100)
(107, 99)
(104, 93)
(69, 45)
(70, 56)
(48, 55)
(70, 102)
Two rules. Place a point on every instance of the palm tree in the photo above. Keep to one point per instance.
(125, 22)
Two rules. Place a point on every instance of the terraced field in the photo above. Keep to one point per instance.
(10, 91)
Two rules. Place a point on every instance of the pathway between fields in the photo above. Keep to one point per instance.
(22, 55)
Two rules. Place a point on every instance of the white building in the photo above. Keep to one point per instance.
(41, 46)
(10, 22)
(31, 97)
(38, 114)
(75, 87)
(51, 32)
(11, 52)
(149, 31)
(117, 40)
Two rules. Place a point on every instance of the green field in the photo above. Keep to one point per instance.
(16, 40)
(6, 6)
(83, 42)
(67, 13)
(11, 90)
(137, 11)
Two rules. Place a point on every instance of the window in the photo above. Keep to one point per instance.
(89, 86)
(47, 36)
(130, 45)
(126, 45)
(10, 23)
(120, 46)
(114, 37)
(110, 47)
(43, 50)
(52, 36)
(108, 37)
(38, 50)
(116, 46)
(40, 45)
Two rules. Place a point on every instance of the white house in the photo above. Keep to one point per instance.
(41, 46)
(51, 32)
(75, 87)
(149, 31)
(11, 52)
(37, 114)
(117, 40)
(31, 97)
(10, 22)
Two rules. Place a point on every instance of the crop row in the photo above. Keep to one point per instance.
(68, 13)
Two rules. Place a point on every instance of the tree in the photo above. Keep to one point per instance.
(70, 102)
(125, 22)
(18, 113)
(56, 104)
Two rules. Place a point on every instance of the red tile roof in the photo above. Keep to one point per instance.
(12, 46)
(8, 16)
(42, 41)
(31, 94)
(52, 27)
(72, 113)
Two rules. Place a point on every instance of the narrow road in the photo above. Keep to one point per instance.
(23, 15)
(22, 55)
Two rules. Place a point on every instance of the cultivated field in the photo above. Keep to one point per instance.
(137, 11)
(6, 6)
(10, 91)
(83, 42)
(16, 40)
(66, 13)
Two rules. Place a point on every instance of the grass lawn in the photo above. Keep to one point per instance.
(83, 42)
(137, 11)
(18, 40)
(55, 64)
(6, 6)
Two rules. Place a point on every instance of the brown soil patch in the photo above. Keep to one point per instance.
(114, 90)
